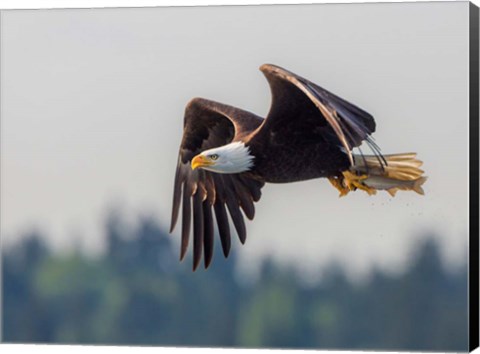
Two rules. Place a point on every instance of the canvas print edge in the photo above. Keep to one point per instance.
(474, 178)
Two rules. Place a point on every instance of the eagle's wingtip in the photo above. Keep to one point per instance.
(271, 70)
(265, 68)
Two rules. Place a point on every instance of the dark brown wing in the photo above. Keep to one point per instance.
(300, 106)
(209, 124)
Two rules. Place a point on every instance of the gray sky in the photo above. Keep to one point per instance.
(93, 101)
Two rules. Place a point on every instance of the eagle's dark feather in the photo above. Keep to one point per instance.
(308, 133)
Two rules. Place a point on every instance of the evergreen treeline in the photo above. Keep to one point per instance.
(137, 292)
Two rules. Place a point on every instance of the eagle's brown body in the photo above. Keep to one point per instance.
(308, 133)
(303, 158)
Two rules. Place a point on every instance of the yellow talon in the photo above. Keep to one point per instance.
(353, 181)
(337, 183)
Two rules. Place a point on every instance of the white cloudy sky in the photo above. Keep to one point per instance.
(93, 100)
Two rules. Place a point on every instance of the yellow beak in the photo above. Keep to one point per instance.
(201, 161)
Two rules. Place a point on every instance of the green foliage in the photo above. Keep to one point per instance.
(138, 293)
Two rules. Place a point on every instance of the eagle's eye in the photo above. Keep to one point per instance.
(213, 157)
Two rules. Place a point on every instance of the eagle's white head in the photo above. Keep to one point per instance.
(231, 158)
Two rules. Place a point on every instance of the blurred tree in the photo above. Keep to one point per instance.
(25, 319)
(138, 293)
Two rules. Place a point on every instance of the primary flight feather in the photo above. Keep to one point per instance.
(227, 155)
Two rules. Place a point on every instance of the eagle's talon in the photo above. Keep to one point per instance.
(353, 181)
(337, 182)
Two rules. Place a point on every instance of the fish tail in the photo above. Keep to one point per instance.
(417, 186)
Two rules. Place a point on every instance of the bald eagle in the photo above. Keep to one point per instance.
(228, 154)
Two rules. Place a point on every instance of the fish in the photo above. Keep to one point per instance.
(392, 186)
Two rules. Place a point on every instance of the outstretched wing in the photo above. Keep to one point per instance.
(207, 125)
(299, 103)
